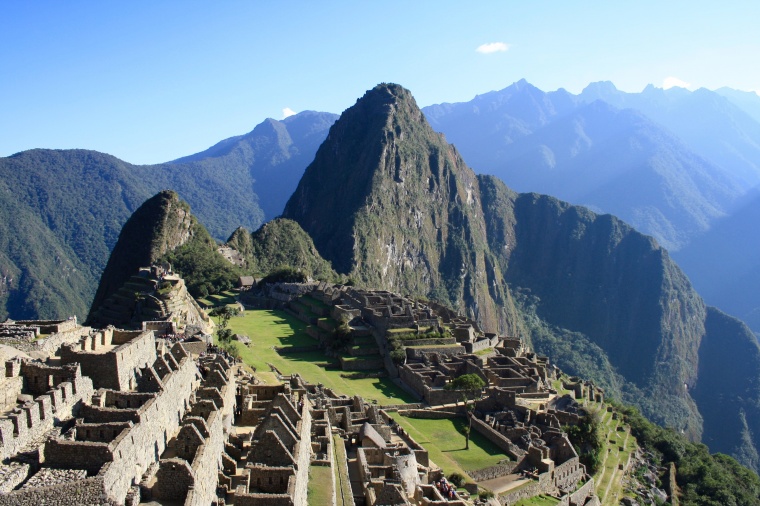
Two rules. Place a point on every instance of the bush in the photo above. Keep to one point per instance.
(457, 479)
(398, 356)
(588, 441)
(341, 337)
(232, 348)
(485, 494)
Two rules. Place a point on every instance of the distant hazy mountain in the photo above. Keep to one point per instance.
(708, 122)
(61, 210)
(724, 264)
(594, 154)
(275, 154)
(748, 101)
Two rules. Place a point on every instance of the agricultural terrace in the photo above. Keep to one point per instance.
(270, 328)
(619, 445)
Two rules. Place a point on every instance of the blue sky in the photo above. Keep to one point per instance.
(152, 81)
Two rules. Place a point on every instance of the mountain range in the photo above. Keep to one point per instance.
(637, 156)
(61, 211)
(393, 206)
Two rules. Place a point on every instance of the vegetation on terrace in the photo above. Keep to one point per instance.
(268, 329)
(320, 488)
(444, 440)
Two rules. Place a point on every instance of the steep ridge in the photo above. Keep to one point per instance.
(723, 263)
(389, 203)
(393, 206)
(283, 243)
(728, 388)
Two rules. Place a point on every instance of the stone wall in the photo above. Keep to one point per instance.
(373, 364)
(29, 422)
(208, 458)
(526, 491)
(430, 414)
(580, 496)
(118, 367)
(89, 492)
(174, 479)
(53, 343)
(304, 457)
(498, 439)
(568, 474)
(147, 439)
(10, 389)
(492, 472)
(418, 353)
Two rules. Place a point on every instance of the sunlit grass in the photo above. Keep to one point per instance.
(268, 329)
(444, 440)
(320, 488)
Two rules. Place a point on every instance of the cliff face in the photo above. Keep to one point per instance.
(392, 205)
(389, 203)
(159, 226)
(728, 388)
(596, 276)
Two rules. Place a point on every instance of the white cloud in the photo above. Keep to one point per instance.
(757, 92)
(287, 112)
(670, 82)
(492, 47)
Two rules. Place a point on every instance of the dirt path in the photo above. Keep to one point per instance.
(503, 484)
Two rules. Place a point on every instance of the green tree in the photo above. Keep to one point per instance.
(223, 314)
(470, 386)
(588, 440)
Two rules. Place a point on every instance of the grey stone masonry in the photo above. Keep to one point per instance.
(112, 357)
(58, 395)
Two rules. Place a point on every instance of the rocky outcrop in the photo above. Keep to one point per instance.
(159, 226)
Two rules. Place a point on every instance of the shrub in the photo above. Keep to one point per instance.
(457, 479)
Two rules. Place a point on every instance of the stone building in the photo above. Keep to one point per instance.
(154, 424)
(152, 294)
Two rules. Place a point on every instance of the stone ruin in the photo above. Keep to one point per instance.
(521, 412)
(114, 417)
(153, 294)
(389, 465)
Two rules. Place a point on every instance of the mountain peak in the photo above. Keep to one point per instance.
(390, 203)
(600, 88)
(161, 224)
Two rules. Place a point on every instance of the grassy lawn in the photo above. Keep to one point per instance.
(444, 440)
(320, 488)
(276, 328)
(343, 495)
